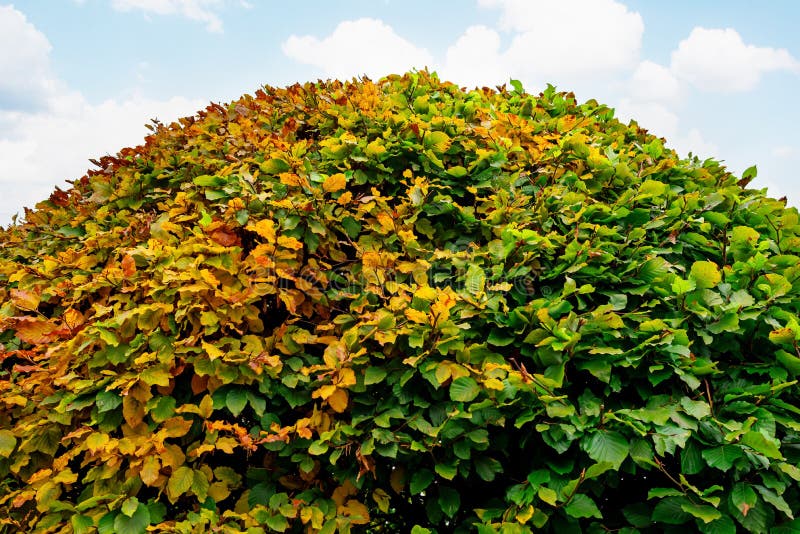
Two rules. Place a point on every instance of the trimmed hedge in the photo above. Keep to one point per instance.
(401, 306)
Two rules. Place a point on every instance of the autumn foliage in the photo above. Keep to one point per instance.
(401, 306)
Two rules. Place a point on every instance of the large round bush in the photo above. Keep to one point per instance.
(401, 306)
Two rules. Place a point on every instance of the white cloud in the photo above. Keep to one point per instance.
(660, 121)
(199, 10)
(40, 150)
(785, 152)
(570, 40)
(26, 79)
(356, 47)
(47, 132)
(718, 60)
(475, 60)
(653, 82)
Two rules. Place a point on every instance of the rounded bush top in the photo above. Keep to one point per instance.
(401, 306)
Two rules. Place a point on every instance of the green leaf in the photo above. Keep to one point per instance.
(464, 389)
(155, 376)
(236, 400)
(750, 172)
(582, 506)
(317, 448)
(703, 512)
(420, 480)
(107, 401)
(275, 166)
(457, 172)
(670, 511)
(81, 524)
(207, 180)
(7, 443)
(500, 338)
(487, 467)
(179, 482)
(681, 286)
(136, 523)
(277, 523)
(449, 500)
(475, 280)
(775, 500)
(722, 457)
(163, 410)
(769, 447)
(129, 506)
(743, 498)
(437, 141)
(517, 85)
(697, 409)
(705, 274)
(446, 471)
(607, 446)
(723, 525)
(374, 375)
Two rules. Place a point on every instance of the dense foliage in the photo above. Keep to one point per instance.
(401, 306)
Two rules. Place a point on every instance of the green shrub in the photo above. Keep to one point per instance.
(401, 306)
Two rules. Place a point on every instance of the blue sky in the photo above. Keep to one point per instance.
(79, 79)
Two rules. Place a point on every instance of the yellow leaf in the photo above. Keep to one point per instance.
(334, 182)
(19, 400)
(324, 392)
(493, 383)
(426, 293)
(151, 470)
(355, 511)
(338, 400)
(442, 373)
(381, 498)
(375, 148)
(39, 475)
(416, 316)
(96, 441)
(386, 221)
(290, 243)
(441, 308)
(524, 515)
(264, 228)
(345, 377)
(371, 258)
(212, 351)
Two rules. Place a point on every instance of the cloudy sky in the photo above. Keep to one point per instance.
(80, 78)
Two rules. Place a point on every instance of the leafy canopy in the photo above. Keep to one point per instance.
(401, 306)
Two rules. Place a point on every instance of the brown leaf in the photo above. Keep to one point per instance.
(225, 237)
(128, 266)
(33, 330)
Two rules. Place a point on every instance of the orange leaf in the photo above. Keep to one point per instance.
(264, 228)
(24, 299)
(128, 266)
(338, 400)
(33, 330)
(356, 511)
(334, 182)
(416, 316)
